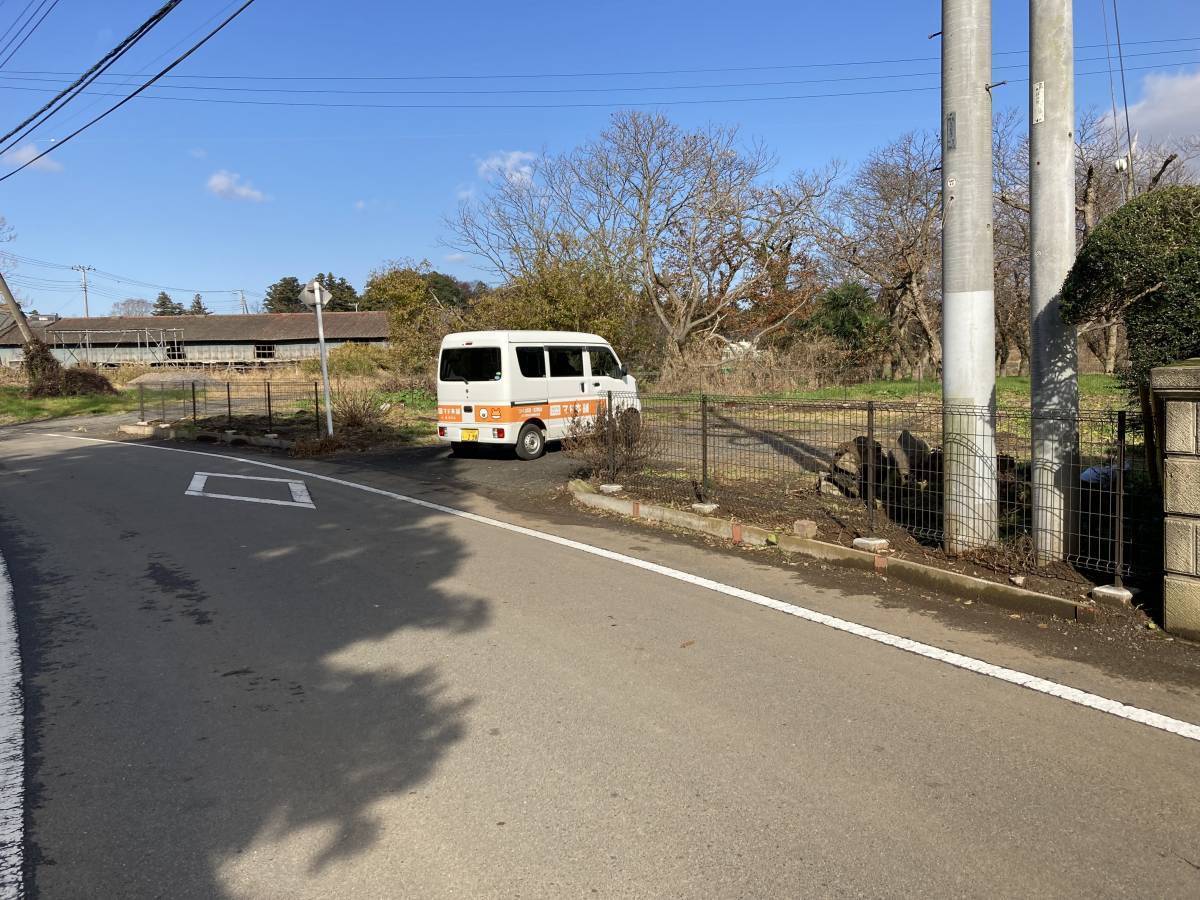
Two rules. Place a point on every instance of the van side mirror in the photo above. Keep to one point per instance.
(624, 372)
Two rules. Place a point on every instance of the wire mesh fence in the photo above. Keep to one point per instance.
(962, 481)
(294, 407)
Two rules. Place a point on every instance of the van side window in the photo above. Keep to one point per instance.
(532, 361)
(603, 362)
(566, 362)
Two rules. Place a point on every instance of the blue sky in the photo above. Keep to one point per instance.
(212, 195)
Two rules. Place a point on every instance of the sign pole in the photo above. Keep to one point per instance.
(324, 363)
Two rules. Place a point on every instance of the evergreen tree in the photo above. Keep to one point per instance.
(284, 296)
(344, 297)
(198, 308)
(165, 306)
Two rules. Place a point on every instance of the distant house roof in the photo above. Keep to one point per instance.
(261, 328)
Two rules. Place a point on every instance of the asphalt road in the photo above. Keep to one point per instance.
(369, 698)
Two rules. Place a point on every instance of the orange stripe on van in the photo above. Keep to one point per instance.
(484, 413)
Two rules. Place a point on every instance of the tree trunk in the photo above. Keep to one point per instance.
(1111, 338)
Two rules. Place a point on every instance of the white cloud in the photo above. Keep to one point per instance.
(1169, 108)
(230, 186)
(455, 257)
(511, 165)
(26, 152)
(198, 153)
(360, 205)
(465, 192)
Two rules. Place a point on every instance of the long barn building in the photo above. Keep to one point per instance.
(243, 341)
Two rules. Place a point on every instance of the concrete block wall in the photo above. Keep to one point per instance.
(1177, 392)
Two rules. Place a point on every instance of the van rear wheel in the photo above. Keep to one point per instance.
(531, 442)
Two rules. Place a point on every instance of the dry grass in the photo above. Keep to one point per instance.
(357, 409)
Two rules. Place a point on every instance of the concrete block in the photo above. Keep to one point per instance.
(1111, 595)
(805, 528)
(1181, 606)
(611, 504)
(705, 509)
(756, 537)
(1181, 545)
(611, 488)
(1181, 485)
(1182, 377)
(1181, 427)
(870, 544)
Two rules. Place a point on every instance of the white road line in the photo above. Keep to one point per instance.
(1012, 676)
(12, 748)
(300, 495)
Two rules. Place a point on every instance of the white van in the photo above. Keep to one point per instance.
(524, 388)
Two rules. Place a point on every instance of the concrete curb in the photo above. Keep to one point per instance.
(1002, 595)
(184, 433)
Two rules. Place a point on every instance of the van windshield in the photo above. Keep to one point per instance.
(470, 364)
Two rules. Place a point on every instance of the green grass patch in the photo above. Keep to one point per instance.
(16, 407)
(1095, 391)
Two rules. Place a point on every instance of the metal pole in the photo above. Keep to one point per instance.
(968, 301)
(1119, 525)
(703, 447)
(162, 400)
(270, 425)
(1053, 385)
(317, 406)
(612, 440)
(141, 403)
(193, 403)
(871, 466)
(228, 404)
(324, 365)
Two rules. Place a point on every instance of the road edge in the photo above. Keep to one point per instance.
(12, 746)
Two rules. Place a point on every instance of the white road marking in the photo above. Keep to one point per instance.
(1179, 727)
(298, 490)
(12, 748)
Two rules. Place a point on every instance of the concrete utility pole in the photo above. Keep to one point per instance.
(242, 294)
(83, 270)
(1054, 389)
(15, 311)
(968, 317)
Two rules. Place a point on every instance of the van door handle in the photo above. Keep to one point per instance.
(595, 384)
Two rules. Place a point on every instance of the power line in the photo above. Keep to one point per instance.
(1124, 97)
(17, 21)
(57, 102)
(178, 60)
(572, 90)
(610, 74)
(37, 25)
(571, 105)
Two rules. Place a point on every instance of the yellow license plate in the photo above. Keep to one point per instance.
(470, 434)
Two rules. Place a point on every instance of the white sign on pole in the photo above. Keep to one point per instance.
(316, 297)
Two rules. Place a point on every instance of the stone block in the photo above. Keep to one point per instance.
(1181, 427)
(611, 488)
(1181, 606)
(1182, 377)
(805, 528)
(705, 509)
(1181, 545)
(871, 544)
(1181, 486)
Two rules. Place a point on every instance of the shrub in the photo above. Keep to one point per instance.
(1142, 264)
(352, 360)
(42, 371)
(357, 409)
(84, 380)
(609, 445)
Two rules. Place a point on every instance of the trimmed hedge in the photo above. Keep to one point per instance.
(1142, 264)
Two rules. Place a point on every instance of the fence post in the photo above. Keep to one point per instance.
(317, 405)
(704, 448)
(193, 403)
(270, 425)
(871, 466)
(612, 440)
(162, 401)
(228, 405)
(1119, 527)
(141, 403)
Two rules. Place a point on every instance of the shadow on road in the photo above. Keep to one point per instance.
(200, 688)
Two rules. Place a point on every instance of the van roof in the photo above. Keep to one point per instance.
(461, 338)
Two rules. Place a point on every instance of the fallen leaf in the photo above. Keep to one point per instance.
(686, 644)
(1014, 615)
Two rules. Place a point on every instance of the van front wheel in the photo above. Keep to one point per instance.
(531, 442)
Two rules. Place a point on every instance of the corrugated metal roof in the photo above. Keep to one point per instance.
(260, 328)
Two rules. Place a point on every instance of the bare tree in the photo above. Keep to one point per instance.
(884, 226)
(681, 217)
(1010, 217)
